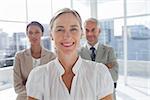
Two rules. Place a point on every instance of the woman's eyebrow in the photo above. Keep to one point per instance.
(74, 26)
(70, 26)
(59, 27)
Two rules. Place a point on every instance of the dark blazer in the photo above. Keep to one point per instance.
(104, 54)
(22, 68)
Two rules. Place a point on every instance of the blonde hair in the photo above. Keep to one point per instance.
(62, 11)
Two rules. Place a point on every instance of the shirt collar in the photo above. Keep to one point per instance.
(95, 46)
(75, 68)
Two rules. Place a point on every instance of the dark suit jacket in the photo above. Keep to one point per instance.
(104, 54)
(22, 68)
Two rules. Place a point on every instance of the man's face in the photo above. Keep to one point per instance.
(92, 32)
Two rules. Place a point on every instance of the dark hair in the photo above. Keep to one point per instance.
(62, 11)
(35, 23)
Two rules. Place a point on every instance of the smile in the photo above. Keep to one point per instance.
(68, 44)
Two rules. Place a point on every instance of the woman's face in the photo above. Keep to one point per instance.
(34, 34)
(66, 33)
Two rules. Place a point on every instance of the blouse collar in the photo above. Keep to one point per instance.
(75, 68)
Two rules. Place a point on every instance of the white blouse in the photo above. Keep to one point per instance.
(92, 81)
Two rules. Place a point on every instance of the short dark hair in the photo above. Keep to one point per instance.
(35, 23)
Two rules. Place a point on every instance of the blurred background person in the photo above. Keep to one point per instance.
(30, 58)
(95, 51)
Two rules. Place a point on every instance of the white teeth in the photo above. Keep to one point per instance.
(67, 44)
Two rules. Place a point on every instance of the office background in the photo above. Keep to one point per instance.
(125, 26)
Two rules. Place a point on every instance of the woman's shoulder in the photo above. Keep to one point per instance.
(49, 53)
(94, 65)
(42, 69)
(89, 62)
(23, 52)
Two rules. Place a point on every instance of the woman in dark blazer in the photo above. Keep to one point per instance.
(27, 59)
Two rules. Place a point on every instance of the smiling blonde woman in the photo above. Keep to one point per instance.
(69, 77)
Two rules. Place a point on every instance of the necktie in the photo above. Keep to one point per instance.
(93, 55)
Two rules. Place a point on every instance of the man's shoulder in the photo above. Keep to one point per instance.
(106, 46)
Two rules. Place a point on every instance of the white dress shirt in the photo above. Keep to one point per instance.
(92, 81)
(89, 46)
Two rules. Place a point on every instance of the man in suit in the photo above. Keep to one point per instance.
(95, 51)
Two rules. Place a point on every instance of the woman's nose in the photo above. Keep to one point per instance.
(67, 34)
(34, 34)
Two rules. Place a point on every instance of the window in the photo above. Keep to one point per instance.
(14, 10)
(13, 20)
(138, 37)
(83, 7)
